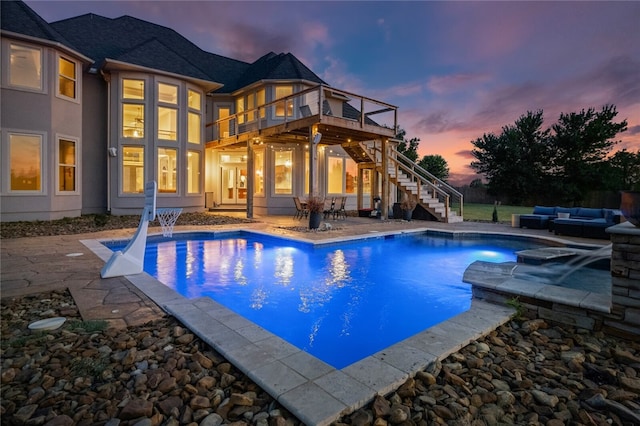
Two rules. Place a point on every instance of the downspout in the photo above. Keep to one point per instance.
(107, 78)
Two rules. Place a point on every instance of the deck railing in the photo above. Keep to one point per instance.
(317, 101)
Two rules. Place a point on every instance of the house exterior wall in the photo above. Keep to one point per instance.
(122, 203)
(94, 148)
(41, 113)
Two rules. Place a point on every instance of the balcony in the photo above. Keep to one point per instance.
(340, 116)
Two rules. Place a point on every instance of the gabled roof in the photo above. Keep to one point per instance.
(20, 20)
(272, 66)
(138, 42)
(128, 41)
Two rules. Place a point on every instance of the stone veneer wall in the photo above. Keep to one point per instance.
(623, 318)
(625, 281)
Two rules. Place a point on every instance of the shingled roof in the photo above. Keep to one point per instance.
(272, 66)
(18, 18)
(137, 42)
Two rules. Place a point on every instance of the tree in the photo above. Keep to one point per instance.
(624, 170)
(436, 165)
(514, 162)
(580, 145)
(409, 148)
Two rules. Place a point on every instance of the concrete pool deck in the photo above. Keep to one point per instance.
(313, 391)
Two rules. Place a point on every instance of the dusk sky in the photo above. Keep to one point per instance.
(456, 70)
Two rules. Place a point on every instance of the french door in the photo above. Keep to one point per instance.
(233, 180)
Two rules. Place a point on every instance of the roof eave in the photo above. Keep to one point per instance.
(112, 64)
(274, 81)
(49, 43)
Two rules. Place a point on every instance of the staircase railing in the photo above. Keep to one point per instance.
(445, 193)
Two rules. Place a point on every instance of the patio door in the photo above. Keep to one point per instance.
(234, 184)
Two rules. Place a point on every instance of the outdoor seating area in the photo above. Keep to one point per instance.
(572, 221)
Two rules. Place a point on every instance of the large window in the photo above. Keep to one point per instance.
(132, 169)
(67, 165)
(25, 162)
(193, 172)
(167, 93)
(193, 127)
(194, 100)
(167, 123)
(351, 176)
(258, 166)
(240, 110)
(133, 108)
(261, 99)
(133, 121)
(194, 117)
(283, 172)
(66, 78)
(335, 175)
(25, 67)
(167, 172)
(342, 176)
(284, 106)
(167, 117)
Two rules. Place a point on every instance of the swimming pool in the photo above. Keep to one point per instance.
(339, 302)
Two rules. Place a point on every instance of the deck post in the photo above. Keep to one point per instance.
(251, 175)
(385, 180)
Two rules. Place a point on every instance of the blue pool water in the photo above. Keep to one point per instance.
(341, 303)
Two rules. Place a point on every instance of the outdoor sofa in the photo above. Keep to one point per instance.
(572, 221)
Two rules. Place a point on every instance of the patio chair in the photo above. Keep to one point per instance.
(301, 209)
(341, 210)
(329, 207)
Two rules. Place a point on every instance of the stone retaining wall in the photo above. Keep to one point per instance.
(625, 280)
(623, 317)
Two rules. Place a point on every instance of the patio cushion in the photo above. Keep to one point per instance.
(589, 213)
(548, 211)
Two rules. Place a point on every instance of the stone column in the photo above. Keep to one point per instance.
(624, 320)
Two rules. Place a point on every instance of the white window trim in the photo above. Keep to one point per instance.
(77, 165)
(145, 168)
(142, 102)
(77, 79)
(6, 166)
(6, 58)
(179, 168)
(344, 173)
(272, 173)
(201, 173)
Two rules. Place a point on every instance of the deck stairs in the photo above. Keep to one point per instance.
(438, 198)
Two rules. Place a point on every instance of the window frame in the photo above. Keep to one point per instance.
(344, 158)
(76, 165)
(162, 190)
(138, 103)
(75, 79)
(259, 156)
(189, 175)
(192, 110)
(121, 167)
(273, 188)
(283, 104)
(43, 165)
(43, 63)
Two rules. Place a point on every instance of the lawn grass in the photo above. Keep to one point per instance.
(484, 212)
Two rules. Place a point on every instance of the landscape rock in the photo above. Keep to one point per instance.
(538, 374)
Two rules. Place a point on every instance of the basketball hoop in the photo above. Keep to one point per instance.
(167, 218)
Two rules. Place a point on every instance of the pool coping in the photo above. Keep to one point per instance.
(313, 391)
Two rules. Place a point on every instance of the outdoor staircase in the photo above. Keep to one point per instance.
(438, 198)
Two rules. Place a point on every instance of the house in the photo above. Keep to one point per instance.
(94, 107)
